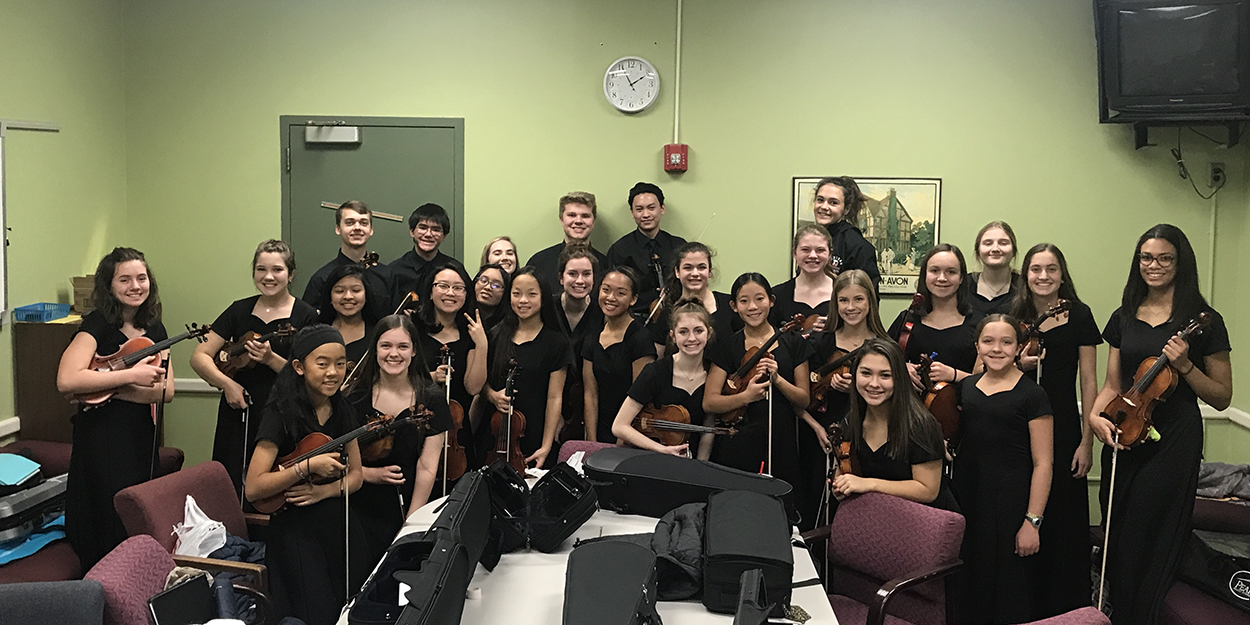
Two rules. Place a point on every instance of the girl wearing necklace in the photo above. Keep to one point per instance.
(244, 395)
(677, 379)
(809, 292)
(944, 325)
(613, 357)
(691, 278)
(994, 287)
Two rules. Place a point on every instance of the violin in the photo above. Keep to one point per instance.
(809, 322)
(370, 259)
(1032, 332)
(914, 312)
(455, 461)
(1155, 379)
(846, 462)
(317, 443)
(941, 398)
(507, 428)
(233, 357)
(839, 363)
(737, 381)
(131, 353)
(670, 425)
(658, 305)
(377, 444)
(410, 302)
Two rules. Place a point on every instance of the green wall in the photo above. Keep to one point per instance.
(996, 98)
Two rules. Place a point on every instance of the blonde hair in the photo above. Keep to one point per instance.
(859, 278)
(491, 243)
(579, 197)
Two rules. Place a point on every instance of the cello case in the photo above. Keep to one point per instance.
(649, 483)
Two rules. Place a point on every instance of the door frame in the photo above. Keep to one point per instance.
(456, 124)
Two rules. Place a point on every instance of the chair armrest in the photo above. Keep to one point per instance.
(253, 519)
(876, 612)
(257, 572)
(268, 615)
(820, 533)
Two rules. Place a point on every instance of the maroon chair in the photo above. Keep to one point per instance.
(1186, 605)
(131, 574)
(1083, 616)
(155, 507)
(888, 554)
(571, 447)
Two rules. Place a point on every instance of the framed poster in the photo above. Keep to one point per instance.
(900, 218)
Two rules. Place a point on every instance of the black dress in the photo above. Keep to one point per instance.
(232, 445)
(993, 474)
(305, 545)
(431, 351)
(1064, 556)
(724, 321)
(812, 458)
(654, 387)
(547, 353)
(785, 307)
(112, 449)
(613, 367)
(1156, 481)
(573, 408)
(955, 346)
(380, 509)
(999, 304)
(748, 450)
(356, 351)
(878, 464)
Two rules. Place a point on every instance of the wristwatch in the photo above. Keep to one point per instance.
(1035, 520)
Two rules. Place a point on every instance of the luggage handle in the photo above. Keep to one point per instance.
(753, 606)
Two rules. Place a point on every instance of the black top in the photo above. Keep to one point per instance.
(1059, 370)
(635, 250)
(613, 367)
(378, 285)
(994, 430)
(654, 387)
(785, 308)
(547, 264)
(590, 323)
(836, 402)
(286, 431)
(878, 464)
(356, 351)
(724, 321)
(538, 359)
(956, 346)
(109, 338)
(850, 250)
(407, 272)
(408, 439)
(431, 350)
(1000, 304)
(238, 320)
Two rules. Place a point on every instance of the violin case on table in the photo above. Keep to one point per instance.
(542, 517)
(649, 483)
(610, 583)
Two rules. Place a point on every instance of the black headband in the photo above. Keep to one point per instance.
(311, 338)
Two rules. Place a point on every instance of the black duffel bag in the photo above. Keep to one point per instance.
(1219, 564)
(610, 583)
(745, 531)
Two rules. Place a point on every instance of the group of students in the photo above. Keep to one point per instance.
(597, 339)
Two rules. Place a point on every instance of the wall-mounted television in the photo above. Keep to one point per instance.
(1168, 59)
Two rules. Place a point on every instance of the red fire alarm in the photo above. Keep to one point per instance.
(675, 157)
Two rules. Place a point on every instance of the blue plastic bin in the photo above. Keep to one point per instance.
(41, 312)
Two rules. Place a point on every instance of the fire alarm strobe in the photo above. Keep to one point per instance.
(675, 157)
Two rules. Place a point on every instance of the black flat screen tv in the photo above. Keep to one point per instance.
(1174, 60)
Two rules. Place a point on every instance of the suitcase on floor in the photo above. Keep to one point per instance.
(745, 531)
(542, 517)
(24, 511)
(638, 481)
(1219, 565)
(610, 583)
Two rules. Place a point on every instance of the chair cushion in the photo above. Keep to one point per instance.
(80, 602)
(848, 610)
(54, 563)
(156, 506)
(571, 447)
(131, 574)
(1186, 605)
(1083, 616)
(54, 457)
(1214, 515)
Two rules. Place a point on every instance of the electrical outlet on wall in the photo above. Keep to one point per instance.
(1215, 175)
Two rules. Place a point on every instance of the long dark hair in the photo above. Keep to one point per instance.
(909, 422)
(289, 398)
(672, 286)
(1187, 300)
(148, 313)
(418, 371)
(427, 314)
(492, 316)
(1022, 307)
(748, 278)
(852, 197)
(328, 314)
(961, 294)
(503, 332)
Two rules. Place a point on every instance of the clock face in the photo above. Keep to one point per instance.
(631, 84)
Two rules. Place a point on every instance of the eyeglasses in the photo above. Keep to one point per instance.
(486, 282)
(447, 286)
(428, 228)
(1164, 260)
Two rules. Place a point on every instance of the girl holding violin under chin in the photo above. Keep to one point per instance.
(399, 470)
(113, 443)
(943, 323)
(781, 371)
(245, 394)
(809, 292)
(677, 379)
(306, 542)
(529, 333)
(1002, 474)
(614, 355)
(1066, 346)
(1155, 481)
(896, 445)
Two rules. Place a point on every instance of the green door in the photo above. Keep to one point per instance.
(393, 165)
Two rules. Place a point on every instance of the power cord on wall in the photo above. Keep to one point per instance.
(1184, 171)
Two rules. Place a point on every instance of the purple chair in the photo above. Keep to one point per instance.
(130, 574)
(571, 447)
(889, 554)
(1186, 605)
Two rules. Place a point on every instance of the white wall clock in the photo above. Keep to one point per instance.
(631, 84)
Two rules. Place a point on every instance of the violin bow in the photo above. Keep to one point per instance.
(1106, 530)
(447, 395)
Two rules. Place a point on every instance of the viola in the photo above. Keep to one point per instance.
(839, 363)
(233, 358)
(131, 353)
(846, 462)
(317, 443)
(914, 312)
(670, 425)
(1033, 333)
(737, 381)
(455, 461)
(1155, 379)
(941, 398)
(508, 427)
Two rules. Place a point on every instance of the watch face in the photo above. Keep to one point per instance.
(631, 84)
